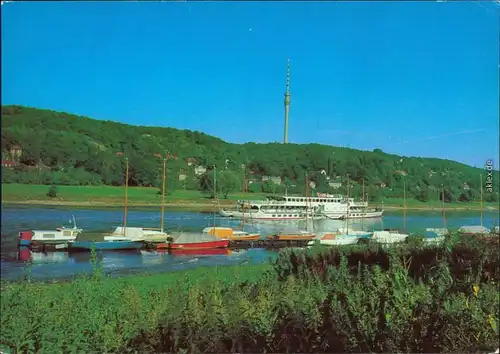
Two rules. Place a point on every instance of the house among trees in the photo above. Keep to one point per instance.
(9, 164)
(335, 185)
(16, 152)
(274, 179)
(199, 170)
(191, 161)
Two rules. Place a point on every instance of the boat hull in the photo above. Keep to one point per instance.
(105, 246)
(198, 245)
(343, 241)
(201, 252)
(290, 237)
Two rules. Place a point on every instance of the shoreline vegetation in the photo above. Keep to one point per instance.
(107, 196)
(366, 298)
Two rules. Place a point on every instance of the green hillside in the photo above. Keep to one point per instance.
(64, 149)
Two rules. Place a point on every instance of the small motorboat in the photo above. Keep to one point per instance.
(195, 240)
(389, 236)
(336, 239)
(475, 230)
(435, 235)
(227, 233)
(60, 236)
(110, 243)
(351, 232)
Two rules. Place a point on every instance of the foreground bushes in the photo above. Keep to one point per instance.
(409, 299)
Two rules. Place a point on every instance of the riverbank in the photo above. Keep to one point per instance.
(280, 307)
(107, 196)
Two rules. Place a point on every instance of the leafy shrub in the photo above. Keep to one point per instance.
(52, 192)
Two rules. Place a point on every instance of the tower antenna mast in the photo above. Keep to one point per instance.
(287, 101)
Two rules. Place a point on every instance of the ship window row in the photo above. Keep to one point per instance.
(313, 200)
(284, 216)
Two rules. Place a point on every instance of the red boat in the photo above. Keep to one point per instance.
(196, 241)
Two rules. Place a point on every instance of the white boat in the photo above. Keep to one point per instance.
(435, 235)
(361, 212)
(61, 235)
(474, 230)
(296, 208)
(389, 236)
(335, 239)
(140, 234)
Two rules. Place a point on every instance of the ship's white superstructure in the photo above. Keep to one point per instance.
(300, 208)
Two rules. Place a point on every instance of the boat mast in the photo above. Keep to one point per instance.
(442, 206)
(307, 205)
(404, 205)
(215, 192)
(347, 215)
(364, 213)
(481, 185)
(243, 199)
(164, 177)
(126, 198)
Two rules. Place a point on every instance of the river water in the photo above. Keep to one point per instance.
(15, 263)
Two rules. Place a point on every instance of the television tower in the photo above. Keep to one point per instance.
(287, 101)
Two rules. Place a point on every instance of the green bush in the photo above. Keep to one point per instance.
(52, 192)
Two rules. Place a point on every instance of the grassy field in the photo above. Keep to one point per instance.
(140, 196)
(410, 298)
(109, 195)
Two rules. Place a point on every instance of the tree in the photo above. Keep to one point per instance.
(227, 182)
(423, 196)
(269, 187)
(52, 192)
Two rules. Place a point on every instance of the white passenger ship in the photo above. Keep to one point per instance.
(300, 208)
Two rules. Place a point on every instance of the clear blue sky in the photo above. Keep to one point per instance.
(417, 79)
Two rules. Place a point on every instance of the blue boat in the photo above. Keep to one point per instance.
(114, 245)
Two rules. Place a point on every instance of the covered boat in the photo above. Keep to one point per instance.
(389, 236)
(195, 240)
(435, 235)
(336, 239)
(141, 234)
(227, 233)
(110, 243)
(290, 235)
(475, 230)
(351, 232)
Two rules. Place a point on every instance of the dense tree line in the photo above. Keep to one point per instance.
(64, 149)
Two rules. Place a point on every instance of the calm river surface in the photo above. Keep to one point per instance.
(58, 265)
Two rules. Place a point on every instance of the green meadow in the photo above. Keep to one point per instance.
(114, 196)
(108, 194)
(409, 298)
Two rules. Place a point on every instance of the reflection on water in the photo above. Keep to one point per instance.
(14, 262)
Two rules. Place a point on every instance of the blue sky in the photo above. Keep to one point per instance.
(417, 79)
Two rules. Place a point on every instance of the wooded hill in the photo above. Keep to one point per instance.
(47, 147)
